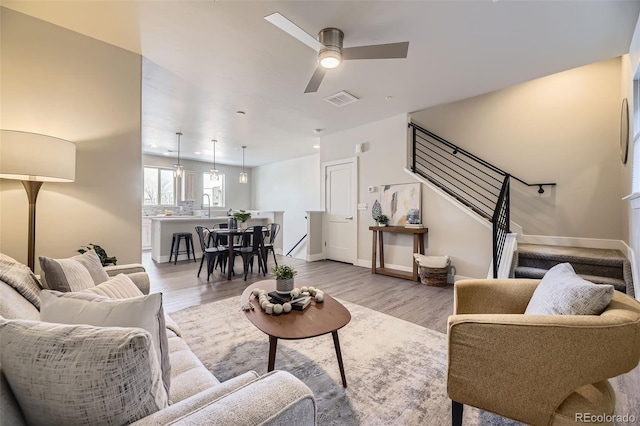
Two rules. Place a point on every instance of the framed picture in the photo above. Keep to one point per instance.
(396, 200)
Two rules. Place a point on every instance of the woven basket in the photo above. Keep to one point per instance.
(436, 277)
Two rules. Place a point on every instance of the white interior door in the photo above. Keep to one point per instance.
(340, 210)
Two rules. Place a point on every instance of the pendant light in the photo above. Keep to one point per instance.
(243, 174)
(177, 168)
(214, 171)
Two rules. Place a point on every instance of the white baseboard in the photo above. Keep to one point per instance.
(315, 257)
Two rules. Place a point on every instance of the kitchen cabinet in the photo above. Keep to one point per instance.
(146, 233)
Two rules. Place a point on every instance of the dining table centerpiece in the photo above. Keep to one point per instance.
(242, 216)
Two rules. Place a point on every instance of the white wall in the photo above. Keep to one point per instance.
(237, 195)
(292, 186)
(562, 128)
(451, 231)
(59, 83)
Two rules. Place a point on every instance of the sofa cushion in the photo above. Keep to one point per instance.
(145, 312)
(188, 375)
(80, 374)
(73, 274)
(562, 292)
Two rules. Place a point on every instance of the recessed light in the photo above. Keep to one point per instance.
(317, 131)
(197, 152)
(388, 98)
(240, 112)
(316, 146)
(153, 145)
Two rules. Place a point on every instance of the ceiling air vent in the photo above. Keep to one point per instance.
(341, 98)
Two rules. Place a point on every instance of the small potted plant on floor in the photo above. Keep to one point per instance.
(242, 217)
(284, 278)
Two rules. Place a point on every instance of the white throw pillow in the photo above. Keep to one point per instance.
(73, 274)
(79, 374)
(83, 308)
(562, 292)
(118, 287)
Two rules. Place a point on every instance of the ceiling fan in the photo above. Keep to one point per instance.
(330, 50)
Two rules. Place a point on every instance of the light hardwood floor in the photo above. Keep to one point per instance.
(407, 300)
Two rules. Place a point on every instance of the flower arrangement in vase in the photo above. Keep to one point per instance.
(242, 217)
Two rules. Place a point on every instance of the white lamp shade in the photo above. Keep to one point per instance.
(30, 156)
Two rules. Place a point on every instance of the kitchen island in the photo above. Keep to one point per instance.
(163, 227)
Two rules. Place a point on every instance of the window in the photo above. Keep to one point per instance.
(214, 188)
(159, 187)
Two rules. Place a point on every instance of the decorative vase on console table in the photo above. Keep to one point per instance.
(284, 278)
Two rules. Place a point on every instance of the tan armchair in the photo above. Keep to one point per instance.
(537, 369)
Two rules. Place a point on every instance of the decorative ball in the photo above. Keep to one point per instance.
(303, 289)
(264, 304)
(319, 296)
(312, 291)
(305, 294)
(256, 292)
(295, 293)
(263, 292)
(269, 308)
(277, 309)
(286, 307)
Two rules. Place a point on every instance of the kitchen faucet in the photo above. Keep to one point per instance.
(208, 204)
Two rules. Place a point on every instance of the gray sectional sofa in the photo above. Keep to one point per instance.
(197, 396)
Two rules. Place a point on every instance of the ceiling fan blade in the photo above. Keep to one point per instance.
(377, 51)
(315, 81)
(293, 30)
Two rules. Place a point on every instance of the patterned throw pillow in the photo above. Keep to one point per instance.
(79, 374)
(144, 312)
(562, 292)
(73, 274)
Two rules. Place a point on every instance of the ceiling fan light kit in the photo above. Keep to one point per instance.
(330, 51)
(330, 56)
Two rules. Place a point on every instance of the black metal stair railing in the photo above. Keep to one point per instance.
(474, 182)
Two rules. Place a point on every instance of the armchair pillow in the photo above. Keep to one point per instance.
(79, 374)
(562, 292)
(144, 312)
(73, 274)
(118, 287)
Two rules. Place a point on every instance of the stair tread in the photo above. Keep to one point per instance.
(591, 255)
(530, 272)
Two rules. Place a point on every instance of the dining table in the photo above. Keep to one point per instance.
(232, 233)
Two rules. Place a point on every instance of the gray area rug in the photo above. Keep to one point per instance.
(396, 370)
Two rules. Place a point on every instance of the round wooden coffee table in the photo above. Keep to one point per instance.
(317, 319)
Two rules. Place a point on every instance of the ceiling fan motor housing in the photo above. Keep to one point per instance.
(331, 39)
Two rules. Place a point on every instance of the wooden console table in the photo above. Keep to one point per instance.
(378, 247)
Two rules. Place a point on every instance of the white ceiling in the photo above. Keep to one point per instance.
(205, 60)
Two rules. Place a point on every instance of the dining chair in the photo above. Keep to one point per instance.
(274, 228)
(220, 240)
(210, 253)
(255, 236)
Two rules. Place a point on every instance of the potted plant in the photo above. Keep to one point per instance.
(383, 220)
(284, 278)
(104, 258)
(242, 217)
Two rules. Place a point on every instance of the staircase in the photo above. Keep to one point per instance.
(600, 266)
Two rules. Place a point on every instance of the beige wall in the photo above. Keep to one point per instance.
(59, 83)
(561, 128)
(292, 186)
(451, 231)
(237, 195)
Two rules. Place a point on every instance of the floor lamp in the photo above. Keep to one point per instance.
(35, 159)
